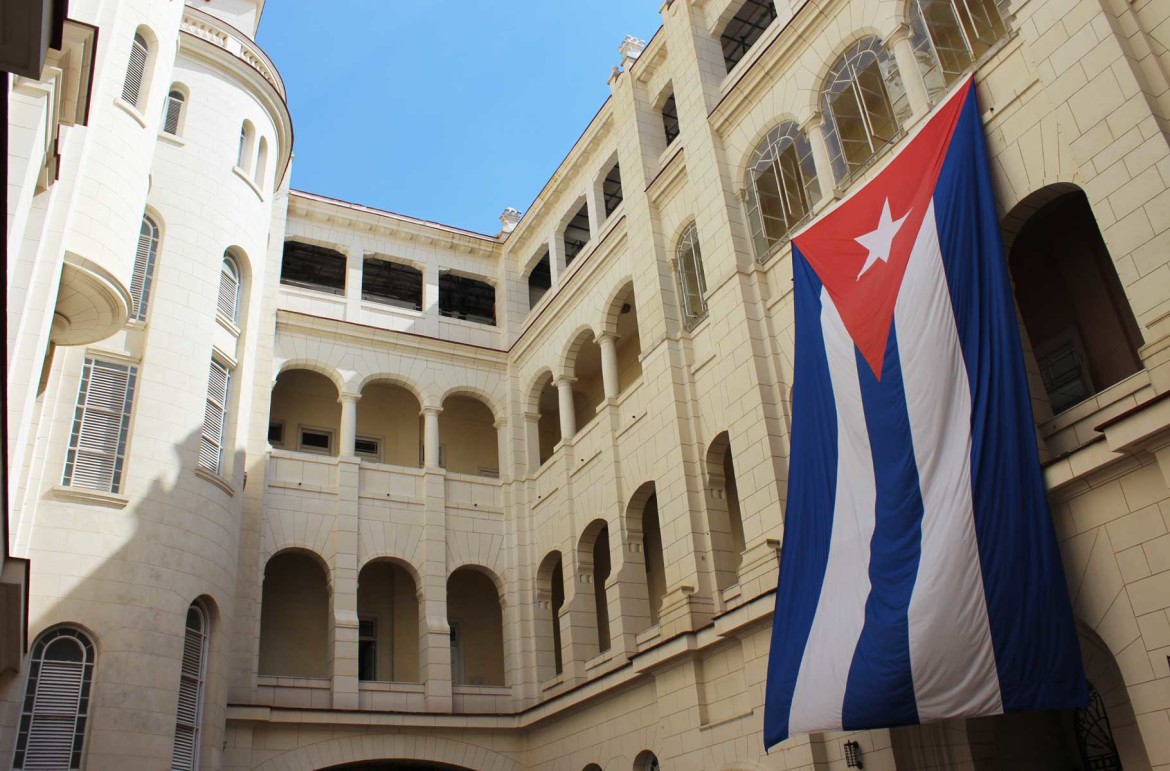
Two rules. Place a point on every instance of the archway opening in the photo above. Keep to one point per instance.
(389, 426)
(550, 579)
(1078, 319)
(468, 442)
(477, 629)
(294, 617)
(387, 606)
(304, 414)
(655, 563)
(624, 314)
(588, 388)
(548, 425)
(725, 520)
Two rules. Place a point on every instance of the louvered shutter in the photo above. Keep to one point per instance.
(174, 110)
(54, 718)
(142, 277)
(214, 418)
(188, 718)
(135, 71)
(229, 290)
(97, 445)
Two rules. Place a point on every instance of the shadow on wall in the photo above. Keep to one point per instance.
(132, 603)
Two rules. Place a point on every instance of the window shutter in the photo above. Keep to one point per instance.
(143, 274)
(56, 703)
(97, 445)
(214, 418)
(135, 70)
(188, 717)
(174, 110)
(229, 291)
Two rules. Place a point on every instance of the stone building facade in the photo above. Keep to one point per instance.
(304, 484)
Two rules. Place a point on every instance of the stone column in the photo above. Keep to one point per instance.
(504, 447)
(813, 128)
(596, 200)
(348, 431)
(556, 255)
(912, 80)
(532, 440)
(343, 587)
(431, 436)
(609, 364)
(565, 400)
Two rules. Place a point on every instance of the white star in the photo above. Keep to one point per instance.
(878, 241)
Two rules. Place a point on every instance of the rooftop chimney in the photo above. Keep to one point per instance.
(509, 220)
(630, 49)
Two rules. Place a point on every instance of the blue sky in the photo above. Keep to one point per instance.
(448, 111)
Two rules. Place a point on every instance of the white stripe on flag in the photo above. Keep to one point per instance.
(819, 695)
(951, 655)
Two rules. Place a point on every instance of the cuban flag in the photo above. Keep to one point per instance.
(920, 577)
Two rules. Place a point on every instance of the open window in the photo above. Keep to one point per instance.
(745, 28)
(949, 36)
(688, 266)
(392, 283)
(611, 189)
(670, 119)
(865, 106)
(539, 280)
(462, 297)
(313, 267)
(576, 234)
(781, 186)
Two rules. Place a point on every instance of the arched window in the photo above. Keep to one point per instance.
(143, 275)
(56, 702)
(228, 303)
(781, 186)
(192, 675)
(646, 761)
(688, 267)
(864, 104)
(135, 70)
(951, 35)
(261, 162)
(173, 115)
(244, 156)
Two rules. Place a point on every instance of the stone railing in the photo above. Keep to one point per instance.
(221, 34)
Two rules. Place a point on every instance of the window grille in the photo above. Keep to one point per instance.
(313, 267)
(670, 119)
(135, 70)
(143, 275)
(227, 305)
(865, 106)
(461, 297)
(392, 283)
(185, 754)
(318, 441)
(215, 418)
(173, 112)
(949, 36)
(688, 267)
(745, 28)
(97, 444)
(56, 702)
(781, 186)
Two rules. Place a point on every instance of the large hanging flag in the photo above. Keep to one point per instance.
(920, 577)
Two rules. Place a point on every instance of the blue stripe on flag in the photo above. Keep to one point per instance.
(1033, 634)
(880, 689)
(811, 499)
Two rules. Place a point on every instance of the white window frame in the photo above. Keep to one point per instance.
(314, 450)
(688, 252)
(227, 305)
(53, 722)
(173, 108)
(142, 277)
(136, 70)
(215, 419)
(192, 683)
(375, 456)
(100, 415)
(766, 160)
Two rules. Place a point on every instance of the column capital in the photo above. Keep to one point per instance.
(607, 337)
(900, 34)
(565, 381)
(430, 409)
(348, 396)
(532, 417)
(501, 423)
(813, 122)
